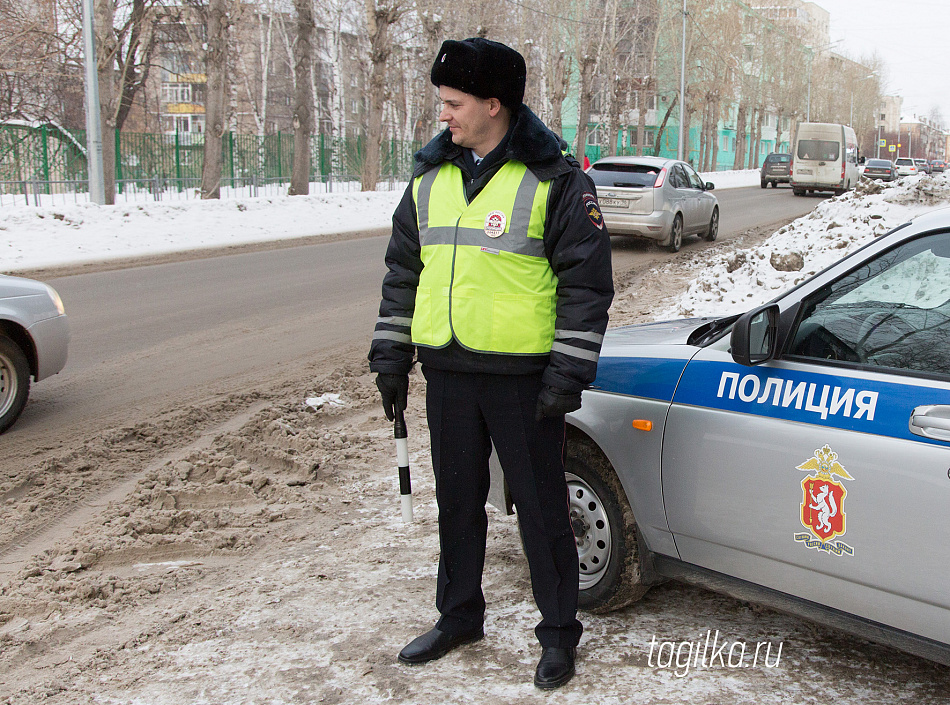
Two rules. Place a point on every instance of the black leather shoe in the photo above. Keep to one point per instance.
(555, 668)
(436, 644)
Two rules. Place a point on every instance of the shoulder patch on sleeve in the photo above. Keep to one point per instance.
(592, 208)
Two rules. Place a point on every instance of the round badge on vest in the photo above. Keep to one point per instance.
(495, 224)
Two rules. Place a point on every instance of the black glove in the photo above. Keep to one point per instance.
(395, 390)
(556, 402)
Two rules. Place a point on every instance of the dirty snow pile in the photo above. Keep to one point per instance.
(736, 280)
(44, 236)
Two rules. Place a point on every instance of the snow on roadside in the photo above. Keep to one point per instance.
(36, 237)
(735, 281)
(85, 232)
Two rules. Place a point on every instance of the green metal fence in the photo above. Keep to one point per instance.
(47, 159)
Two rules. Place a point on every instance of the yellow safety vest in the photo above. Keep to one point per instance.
(486, 280)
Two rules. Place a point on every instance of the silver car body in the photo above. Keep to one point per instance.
(31, 311)
(648, 211)
(720, 485)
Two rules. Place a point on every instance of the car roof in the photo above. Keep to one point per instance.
(881, 161)
(645, 161)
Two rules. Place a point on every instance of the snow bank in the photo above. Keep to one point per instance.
(45, 236)
(735, 281)
(85, 232)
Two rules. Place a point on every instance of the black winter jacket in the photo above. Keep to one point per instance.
(575, 242)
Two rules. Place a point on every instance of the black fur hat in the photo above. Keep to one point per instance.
(483, 68)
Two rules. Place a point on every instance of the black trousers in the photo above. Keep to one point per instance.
(466, 413)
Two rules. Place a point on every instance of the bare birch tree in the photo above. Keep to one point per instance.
(380, 16)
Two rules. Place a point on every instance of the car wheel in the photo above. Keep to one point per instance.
(676, 234)
(798, 191)
(14, 382)
(604, 531)
(839, 191)
(713, 231)
(764, 184)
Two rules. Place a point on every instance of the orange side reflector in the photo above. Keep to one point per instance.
(642, 425)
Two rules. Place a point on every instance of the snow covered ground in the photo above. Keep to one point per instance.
(260, 558)
(85, 232)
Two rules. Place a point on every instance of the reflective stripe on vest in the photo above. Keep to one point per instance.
(493, 294)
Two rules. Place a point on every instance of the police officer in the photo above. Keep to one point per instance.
(500, 277)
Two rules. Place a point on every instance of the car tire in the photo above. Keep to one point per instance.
(605, 532)
(676, 234)
(798, 191)
(764, 184)
(14, 382)
(713, 232)
(840, 191)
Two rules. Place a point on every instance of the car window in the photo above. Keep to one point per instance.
(677, 178)
(778, 159)
(694, 178)
(904, 162)
(623, 175)
(826, 150)
(892, 312)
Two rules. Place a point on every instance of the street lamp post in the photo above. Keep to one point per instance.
(97, 190)
(680, 139)
(879, 126)
(810, 60)
(851, 118)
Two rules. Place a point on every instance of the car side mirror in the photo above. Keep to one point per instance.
(710, 186)
(755, 336)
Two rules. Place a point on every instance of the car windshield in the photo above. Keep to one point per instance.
(905, 162)
(826, 150)
(624, 175)
(780, 158)
(878, 162)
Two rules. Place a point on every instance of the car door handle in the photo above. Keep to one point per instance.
(931, 422)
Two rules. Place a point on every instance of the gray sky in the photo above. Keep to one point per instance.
(913, 39)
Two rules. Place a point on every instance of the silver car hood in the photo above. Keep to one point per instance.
(659, 333)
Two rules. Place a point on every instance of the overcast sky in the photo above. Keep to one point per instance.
(913, 39)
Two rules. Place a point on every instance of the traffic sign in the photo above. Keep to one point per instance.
(891, 148)
(883, 143)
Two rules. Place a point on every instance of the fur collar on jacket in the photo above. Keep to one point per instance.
(532, 144)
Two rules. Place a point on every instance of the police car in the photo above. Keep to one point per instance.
(797, 455)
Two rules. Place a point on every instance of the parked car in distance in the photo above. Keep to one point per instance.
(34, 338)
(906, 166)
(938, 165)
(765, 455)
(883, 169)
(655, 198)
(923, 166)
(776, 169)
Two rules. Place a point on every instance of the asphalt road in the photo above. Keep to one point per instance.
(149, 338)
